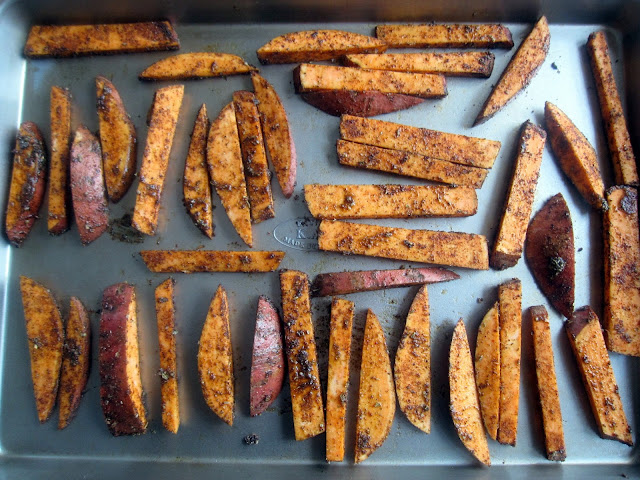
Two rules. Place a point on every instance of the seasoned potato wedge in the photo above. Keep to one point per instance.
(166, 320)
(445, 36)
(58, 196)
(487, 365)
(367, 103)
(192, 261)
(188, 66)
(46, 337)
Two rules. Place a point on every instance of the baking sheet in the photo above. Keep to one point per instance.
(204, 443)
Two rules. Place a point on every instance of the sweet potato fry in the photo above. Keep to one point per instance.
(487, 365)
(46, 336)
(192, 261)
(620, 148)
(368, 103)
(472, 151)
(445, 36)
(442, 248)
(376, 395)
(300, 344)
(309, 45)
(338, 377)
(509, 242)
(189, 66)
(58, 197)
(155, 161)
(74, 40)
(587, 343)
(166, 320)
(389, 201)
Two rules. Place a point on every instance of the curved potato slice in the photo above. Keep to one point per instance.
(487, 363)
(188, 66)
(364, 104)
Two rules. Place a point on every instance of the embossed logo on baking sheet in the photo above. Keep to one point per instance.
(299, 233)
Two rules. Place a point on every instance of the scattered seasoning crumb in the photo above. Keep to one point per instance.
(252, 439)
(580, 249)
(479, 300)
(554, 66)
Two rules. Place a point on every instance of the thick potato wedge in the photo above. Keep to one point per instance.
(620, 148)
(310, 77)
(621, 271)
(473, 151)
(455, 64)
(550, 253)
(28, 181)
(376, 395)
(76, 360)
(215, 359)
(575, 154)
(409, 164)
(522, 67)
(389, 201)
(118, 140)
(364, 104)
(88, 191)
(412, 369)
(587, 343)
(509, 241)
(442, 248)
(445, 36)
(75, 40)
(166, 320)
(342, 283)
(277, 134)
(224, 160)
(487, 366)
(312, 45)
(547, 385)
(58, 196)
(510, 299)
(192, 261)
(254, 156)
(119, 360)
(463, 402)
(195, 180)
(189, 66)
(155, 161)
(300, 344)
(338, 377)
(45, 335)
(267, 360)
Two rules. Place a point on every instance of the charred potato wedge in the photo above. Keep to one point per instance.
(58, 196)
(166, 320)
(192, 261)
(364, 104)
(445, 36)
(189, 66)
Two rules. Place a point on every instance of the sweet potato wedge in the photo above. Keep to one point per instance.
(455, 64)
(376, 395)
(267, 360)
(309, 45)
(473, 151)
(74, 40)
(45, 335)
(412, 369)
(547, 385)
(409, 164)
(155, 160)
(575, 154)
(463, 402)
(119, 360)
(521, 69)
(550, 253)
(487, 366)
(224, 160)
(28, 181)
(620, 148)
(442, 248)
(76, 360)
(118, 140)
(300, 345)
(509, 242)
(364, 104)
(621, 271)
(389, 201)
(58, 196)
(190, 66)
(166, 320)
(445, 36)
(88, 191)
(195, 180)
(338, 376)
(192, 261)
(587, 343)
(215, 359)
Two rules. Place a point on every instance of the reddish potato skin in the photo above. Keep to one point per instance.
(267, 364)
(361, 104)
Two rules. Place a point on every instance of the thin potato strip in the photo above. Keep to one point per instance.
(487, 366)
(445, 36)
(58, 196)
(165, 318)
(192, 261)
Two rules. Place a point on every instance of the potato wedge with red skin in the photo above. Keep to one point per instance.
(76, 360)
(267, 360)
(193, 261)
(166, 320)
(45, 335)
(364, 104)
(445, 36)
(88, 191)
(58, 197)
(121, 392)
(195, 65)
(487, 367)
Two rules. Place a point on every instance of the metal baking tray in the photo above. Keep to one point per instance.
(205, 446)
